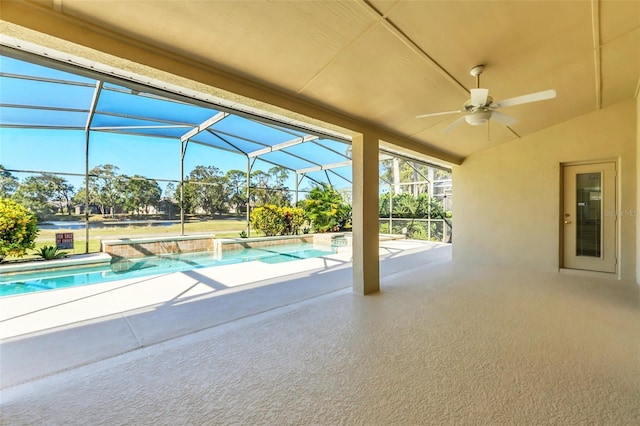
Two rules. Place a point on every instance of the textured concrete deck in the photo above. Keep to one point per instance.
(46, 332)
(442, 343)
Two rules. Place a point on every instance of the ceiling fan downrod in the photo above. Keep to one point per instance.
(476, 71)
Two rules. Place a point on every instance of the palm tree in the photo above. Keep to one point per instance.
(326, 210)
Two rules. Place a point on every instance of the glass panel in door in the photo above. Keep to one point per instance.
(589, 214)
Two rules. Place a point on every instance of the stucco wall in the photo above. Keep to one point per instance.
(508, 198)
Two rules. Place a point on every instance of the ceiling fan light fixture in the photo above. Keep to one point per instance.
(478, 118)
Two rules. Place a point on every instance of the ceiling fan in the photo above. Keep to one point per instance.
(481, 108)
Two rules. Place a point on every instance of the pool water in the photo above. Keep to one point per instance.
(14, 284)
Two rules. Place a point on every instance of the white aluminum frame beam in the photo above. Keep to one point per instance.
(204, 125)
(283, 145)
(151, 126)
(345, 163)
(324, 167)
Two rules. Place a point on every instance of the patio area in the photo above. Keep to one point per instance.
(81, 325)
(442, 343)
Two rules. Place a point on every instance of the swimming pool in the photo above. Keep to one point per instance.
(20, 283)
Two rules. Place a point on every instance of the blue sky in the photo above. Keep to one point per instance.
(63, 151)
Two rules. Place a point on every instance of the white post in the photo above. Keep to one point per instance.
(366, 234)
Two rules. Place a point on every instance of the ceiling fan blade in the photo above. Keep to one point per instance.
(479, 97)
(504, 119)
(453, 125)
(433, 114)
(531, 97)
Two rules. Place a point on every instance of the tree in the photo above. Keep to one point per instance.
(34, 194)
(205, 189)
(279, 176)
(170, 192)
(105, 188)
(168, 203)
(189, 196)
(409, 206)
(326, 210)
(278, 192)
(269, 187)
(408, 172)
(383, 204)
(237, 185)
(18, 229)
(80, 197)
(41, 193)
(140, 193)
(59, 191)
(259, 193)
(8, 183)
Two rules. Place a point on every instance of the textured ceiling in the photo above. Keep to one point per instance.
(386, 62)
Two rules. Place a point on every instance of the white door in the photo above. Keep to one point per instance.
(589, 217)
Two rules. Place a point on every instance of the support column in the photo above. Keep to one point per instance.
(430, 178)
(86, 192)
(366, 263)
(249, 167)
(183, 151)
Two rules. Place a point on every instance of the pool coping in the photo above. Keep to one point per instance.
(74, 260)
(125, 241)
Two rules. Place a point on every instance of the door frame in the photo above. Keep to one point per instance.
(561, 210)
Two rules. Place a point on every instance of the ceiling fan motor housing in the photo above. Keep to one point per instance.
(478, 118)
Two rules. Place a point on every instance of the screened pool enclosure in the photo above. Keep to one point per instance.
(73, 129)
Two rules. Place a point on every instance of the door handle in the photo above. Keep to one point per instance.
(567, 222)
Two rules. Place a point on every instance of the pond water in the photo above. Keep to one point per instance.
(76, 224)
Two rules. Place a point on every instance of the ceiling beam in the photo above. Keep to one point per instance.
(408, 41)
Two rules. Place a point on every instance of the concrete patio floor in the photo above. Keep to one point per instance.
(442, 343)
(52, 331)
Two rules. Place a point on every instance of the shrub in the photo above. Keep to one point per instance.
(267, 219)
(406, 205)
(294, 217)
(18, 229)
(50, 252)
(274, 220)
(417, 231)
